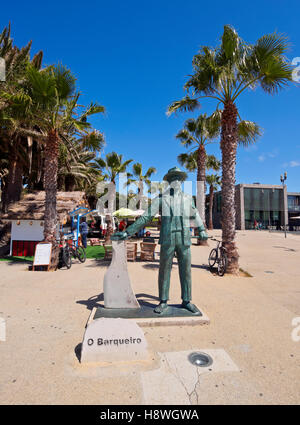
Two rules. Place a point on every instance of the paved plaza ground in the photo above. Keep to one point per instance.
(250, 322)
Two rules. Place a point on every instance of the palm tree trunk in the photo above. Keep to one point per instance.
(109, 219)
(50, 176)
(36, 177)
(211, 203)
(140, 194)
(14, 180)
(229, 139)
(201, 168)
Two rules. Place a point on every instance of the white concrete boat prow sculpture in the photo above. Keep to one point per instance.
(117, 288)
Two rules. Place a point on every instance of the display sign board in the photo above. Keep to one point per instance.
(42, 256)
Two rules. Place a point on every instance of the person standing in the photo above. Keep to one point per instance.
(122, 225)
(84, 231)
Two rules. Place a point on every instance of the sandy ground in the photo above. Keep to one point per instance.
(251, 319)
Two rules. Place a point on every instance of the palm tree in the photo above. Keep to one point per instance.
(16, 138)
(158, 188)
(139, 179)
(75, 170)
(189, 161)
(110, 168)
(223, 74)
(47, 98)
(212, 163)
(214, 182)
(197, 134)
(53, 102)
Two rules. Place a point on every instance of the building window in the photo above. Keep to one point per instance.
(293, 203)
(263, 206)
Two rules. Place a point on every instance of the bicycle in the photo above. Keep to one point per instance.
(77, 251)
(65, 258)
(218, 255)
(69, 250)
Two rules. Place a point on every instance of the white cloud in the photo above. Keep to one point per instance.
(271, 154)
(295, 164)
(251, 148)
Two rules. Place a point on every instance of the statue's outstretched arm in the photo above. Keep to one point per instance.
(146, 218)
(140, 222)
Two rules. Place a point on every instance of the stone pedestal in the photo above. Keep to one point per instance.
(112, 340)
(146, 316)
(117, 288)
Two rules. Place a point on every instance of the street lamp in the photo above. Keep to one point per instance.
(283, 179)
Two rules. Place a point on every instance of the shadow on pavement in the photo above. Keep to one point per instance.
(143, 300)
(92, 302)
(95, 300)
(285, 248)
(11, 261)
(77, 351)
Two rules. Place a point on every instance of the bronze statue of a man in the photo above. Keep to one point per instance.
(176, 209)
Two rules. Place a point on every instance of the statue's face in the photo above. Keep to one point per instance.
(175, 184)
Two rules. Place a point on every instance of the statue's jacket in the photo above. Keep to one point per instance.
(176, 212)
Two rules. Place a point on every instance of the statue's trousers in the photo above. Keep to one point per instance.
(184, 263)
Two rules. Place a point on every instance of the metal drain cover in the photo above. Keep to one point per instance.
(200, 359)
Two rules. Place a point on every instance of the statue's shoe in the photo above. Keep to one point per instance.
(161, 308)
(191, 307)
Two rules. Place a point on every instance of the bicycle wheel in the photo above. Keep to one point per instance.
(222, 264)
(212, 257)
(81, 254)
(67, 259)
(73, 251)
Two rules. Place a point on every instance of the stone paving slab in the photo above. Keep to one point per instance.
(176, 381)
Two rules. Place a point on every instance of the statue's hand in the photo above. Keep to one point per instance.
(203, 236)
(119, 236)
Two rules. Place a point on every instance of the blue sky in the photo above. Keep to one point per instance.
(133, 57)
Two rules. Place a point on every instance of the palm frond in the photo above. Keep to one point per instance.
(271, 45)
(187, 104)
(137, 169)
(92, 109)
(275, 75)
(93, 140)
(189, 161)
(150, 171)
(64, 81)
(213, 163)
(230, 42)
(100, 163)
(185, 137)
(213, 180)
(248, 132)
(37, 60)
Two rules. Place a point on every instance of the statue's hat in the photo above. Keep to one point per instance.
(175, 173)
